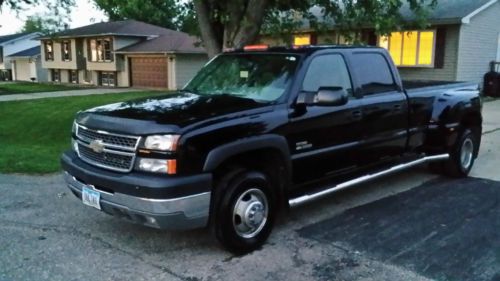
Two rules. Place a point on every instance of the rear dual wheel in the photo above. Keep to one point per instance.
(462, 155)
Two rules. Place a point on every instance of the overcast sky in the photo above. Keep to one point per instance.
(83, 14)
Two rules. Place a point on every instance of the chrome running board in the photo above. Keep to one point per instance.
(310, 197)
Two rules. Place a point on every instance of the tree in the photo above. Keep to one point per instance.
(53, 5)
(44, 24)
(163, 13)
(235, 23)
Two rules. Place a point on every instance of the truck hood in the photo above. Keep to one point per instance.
(169, 113)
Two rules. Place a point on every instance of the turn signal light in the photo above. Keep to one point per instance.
(171, 167)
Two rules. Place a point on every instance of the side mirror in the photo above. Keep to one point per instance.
(331, 96)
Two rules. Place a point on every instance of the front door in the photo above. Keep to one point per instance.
(324, 139)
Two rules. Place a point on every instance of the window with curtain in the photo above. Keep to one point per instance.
(100, 50)
(411, 48)
(66, 50)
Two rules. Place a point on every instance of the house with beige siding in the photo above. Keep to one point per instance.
(122, 54)
(461, 41)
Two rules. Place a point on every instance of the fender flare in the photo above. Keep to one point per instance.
(219, 154)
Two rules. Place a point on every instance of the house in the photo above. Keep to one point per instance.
(122, 54)
(27, 66)
(461, 41)
(11, 44)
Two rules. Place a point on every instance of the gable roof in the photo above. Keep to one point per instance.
(10, 37)
(445, 12)
(35, 51)
(120, 28)
(178, 42)
(452, 11)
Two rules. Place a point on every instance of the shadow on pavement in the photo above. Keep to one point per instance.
(444, 229)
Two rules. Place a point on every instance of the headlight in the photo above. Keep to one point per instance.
(164, 143)
(157, 165)
(73, 128)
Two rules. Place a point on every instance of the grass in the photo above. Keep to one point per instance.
(31, 87)
(34, 133)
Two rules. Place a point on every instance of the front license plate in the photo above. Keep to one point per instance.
(91, 198)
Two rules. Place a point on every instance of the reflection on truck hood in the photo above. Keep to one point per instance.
(179, 109)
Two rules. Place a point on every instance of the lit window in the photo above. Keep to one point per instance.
(411, 48)
(303, 39)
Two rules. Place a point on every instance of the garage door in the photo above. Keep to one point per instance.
(149, 72)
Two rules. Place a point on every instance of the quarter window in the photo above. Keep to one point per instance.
(100, 50)
(49, 50)
(66, 50)
(327, 71)
(373, 72)
(411, 48)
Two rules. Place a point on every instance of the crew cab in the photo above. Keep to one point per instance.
(259, 130)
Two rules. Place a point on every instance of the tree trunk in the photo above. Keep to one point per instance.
(249, 26)
(207, 30)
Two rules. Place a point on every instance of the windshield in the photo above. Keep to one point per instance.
(260, 77)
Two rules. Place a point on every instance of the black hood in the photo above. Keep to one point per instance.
(177, 110)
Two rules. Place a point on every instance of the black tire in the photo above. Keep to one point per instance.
(462, 154)
(247, 189)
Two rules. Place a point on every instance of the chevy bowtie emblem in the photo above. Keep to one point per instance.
(97, 146)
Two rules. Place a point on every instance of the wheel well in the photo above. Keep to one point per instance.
(268, 160)
(472, 120)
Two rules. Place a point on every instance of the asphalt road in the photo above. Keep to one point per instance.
(411, 226)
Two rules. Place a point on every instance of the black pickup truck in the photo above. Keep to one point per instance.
(259, 130)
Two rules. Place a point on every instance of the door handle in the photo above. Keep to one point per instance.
(357, 114)
(398, 107)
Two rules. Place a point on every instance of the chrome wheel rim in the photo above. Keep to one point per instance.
(250, 213)
(466, 153)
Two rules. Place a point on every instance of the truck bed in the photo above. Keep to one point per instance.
(418, 86)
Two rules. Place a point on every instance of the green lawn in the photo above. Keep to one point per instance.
(34, 133)
(29, 87)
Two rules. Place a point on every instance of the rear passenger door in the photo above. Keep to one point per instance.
(384, 107)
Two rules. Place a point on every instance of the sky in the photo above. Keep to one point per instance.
(83, 14)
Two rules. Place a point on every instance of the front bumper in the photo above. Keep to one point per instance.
(179, 212)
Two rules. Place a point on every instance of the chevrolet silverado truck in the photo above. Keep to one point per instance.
(259, 130)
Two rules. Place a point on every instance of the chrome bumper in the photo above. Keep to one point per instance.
(178, 213)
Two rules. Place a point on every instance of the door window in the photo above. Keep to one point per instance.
(327, 71)
(373, 72)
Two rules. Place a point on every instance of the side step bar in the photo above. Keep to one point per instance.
(310, 197)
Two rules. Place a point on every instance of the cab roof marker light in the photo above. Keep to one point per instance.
(256, 48)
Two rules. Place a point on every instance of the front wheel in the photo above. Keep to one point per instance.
(463, 154)
(244, 211)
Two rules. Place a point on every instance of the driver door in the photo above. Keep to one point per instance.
(324, 140)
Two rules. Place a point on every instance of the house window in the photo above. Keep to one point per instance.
(56, 75)
(100, 50)
(66, 50)
(49, 50)
(108, 79)
(1, 54)
(73, 76)
(301, 40)
(411, 48)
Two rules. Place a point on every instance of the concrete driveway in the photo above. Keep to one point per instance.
(411, 226)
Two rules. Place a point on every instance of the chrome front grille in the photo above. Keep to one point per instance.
(109, 139)
(106, 150)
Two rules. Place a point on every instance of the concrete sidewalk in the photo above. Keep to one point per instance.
(86, 92)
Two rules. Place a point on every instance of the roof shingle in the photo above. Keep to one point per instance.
(35, 51)
(9, 37)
